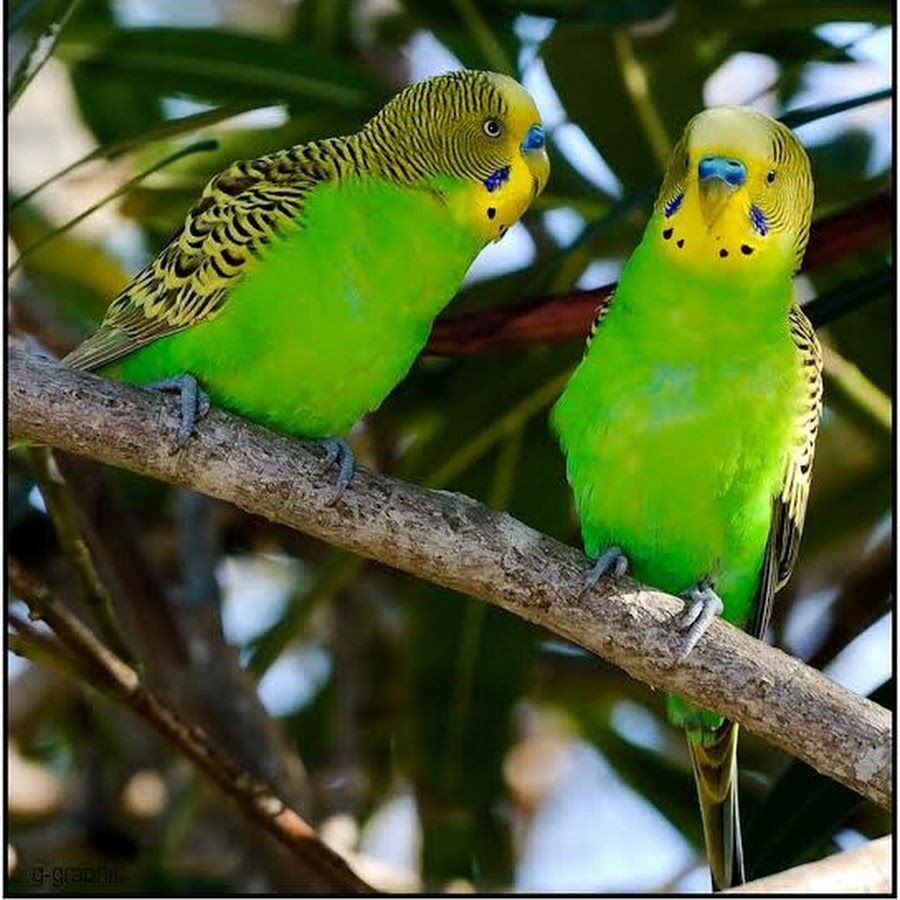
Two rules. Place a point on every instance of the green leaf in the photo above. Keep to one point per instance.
(80, 275)
(164, 131)
(467, 668)
(219, 67)
(197, 147)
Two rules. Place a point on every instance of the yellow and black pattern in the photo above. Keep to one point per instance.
(449, 136)
(674, 183)
(599, 315)
(795, 493)
(789, 507)
(786, 203)
(239, 212)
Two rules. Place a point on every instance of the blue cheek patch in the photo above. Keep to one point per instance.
(495, 179)
(672, 206)
(759, 221)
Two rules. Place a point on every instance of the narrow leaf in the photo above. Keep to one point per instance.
(185, 151)
(797, 117)
(169, 129)
(38, 53)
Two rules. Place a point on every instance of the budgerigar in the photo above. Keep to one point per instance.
(689, 427)
(303, 284)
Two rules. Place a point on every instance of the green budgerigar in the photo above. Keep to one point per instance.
(689, 427)
(303, 284)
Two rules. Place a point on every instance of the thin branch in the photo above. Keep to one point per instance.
(847, 296)
(570, 315)
(40, 647)
(116, 549)
(254, 798)
(864, 870)
(460, 544)
(93, 592)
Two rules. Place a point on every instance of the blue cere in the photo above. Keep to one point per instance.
(534, 140)
(731, 171)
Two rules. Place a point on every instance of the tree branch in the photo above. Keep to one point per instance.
(458, 543)
(864, 870)
(570, 315)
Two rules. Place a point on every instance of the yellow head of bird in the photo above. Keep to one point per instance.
(738, 193)
(481, 127)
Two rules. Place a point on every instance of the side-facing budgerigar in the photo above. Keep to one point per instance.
(303, 284)
(689, 427)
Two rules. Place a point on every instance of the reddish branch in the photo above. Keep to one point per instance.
(570, 315)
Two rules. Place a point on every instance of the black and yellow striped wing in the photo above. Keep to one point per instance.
(239, 212)
(789, 507)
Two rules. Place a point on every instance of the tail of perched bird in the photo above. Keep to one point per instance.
(714, 757)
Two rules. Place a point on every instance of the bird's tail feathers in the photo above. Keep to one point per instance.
(714, 757)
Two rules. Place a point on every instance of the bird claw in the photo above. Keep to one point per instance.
(203, 404)
(702, 605)
(610, 559)
(194, 403)
(338, 451)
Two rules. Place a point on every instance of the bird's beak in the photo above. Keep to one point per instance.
(719, 178)
(534, 150)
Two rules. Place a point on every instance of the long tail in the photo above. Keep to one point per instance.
(714, 756)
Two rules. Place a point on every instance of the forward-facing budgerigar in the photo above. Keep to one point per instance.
(303, 284)
(689, 426)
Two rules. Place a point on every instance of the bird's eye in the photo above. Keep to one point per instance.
(770, 178)
(492, 127)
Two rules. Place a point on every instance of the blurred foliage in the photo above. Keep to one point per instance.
(421, 687)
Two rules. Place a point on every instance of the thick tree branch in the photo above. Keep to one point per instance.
(570, 315)
(458, 543)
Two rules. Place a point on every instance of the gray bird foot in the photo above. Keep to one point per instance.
(610, 559)
(194, 403)
(702, 605)
(338, 451)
